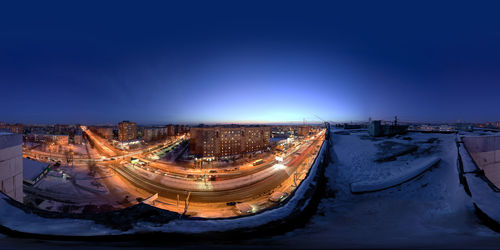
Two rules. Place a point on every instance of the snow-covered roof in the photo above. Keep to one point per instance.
(32, 169)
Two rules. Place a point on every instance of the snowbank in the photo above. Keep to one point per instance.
(416, 168)
(468, 162)
(16, 219)
(483, 195)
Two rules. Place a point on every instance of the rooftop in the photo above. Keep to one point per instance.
(8, 139)
(32, 169)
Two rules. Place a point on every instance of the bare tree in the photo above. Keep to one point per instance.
(92, 167)
(68, 156)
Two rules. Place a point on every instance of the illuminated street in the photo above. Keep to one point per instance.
(207, 187)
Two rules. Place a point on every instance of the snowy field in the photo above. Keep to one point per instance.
(428, 211)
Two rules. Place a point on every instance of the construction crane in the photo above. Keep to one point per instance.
(321, 119)
(327, 127)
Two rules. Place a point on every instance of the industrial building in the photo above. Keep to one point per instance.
(11, 165)
(127, 131)
(469, 127)
(222, 141)
(376, 129)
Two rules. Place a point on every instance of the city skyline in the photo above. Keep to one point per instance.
(282, 63)
(249, 124)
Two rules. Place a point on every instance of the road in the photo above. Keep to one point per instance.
(236, 189)
(243, 183)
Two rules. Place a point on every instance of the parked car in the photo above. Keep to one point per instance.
(243, 208)
(278, 196)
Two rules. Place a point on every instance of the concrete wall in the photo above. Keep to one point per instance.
(11, 166)
(485, 151)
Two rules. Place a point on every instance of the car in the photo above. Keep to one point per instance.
(278, 196)
(244, 208)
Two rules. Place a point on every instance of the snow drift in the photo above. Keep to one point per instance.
(417, 167)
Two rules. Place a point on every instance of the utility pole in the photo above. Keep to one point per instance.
(295, 179)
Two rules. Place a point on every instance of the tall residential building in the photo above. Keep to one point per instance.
(223, 141)
(303, 130)
(154, 133)
(170, 130)
(11, 165)
(78, 139)
(104, 132)
(127, 131)
(175, 130)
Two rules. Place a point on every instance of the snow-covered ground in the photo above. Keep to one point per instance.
(431, 210)
(404, 174)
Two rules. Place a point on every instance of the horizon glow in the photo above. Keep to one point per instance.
(175, 64)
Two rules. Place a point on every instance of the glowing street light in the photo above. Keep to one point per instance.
(279, 166)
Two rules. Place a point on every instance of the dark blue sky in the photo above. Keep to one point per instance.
(215, 61)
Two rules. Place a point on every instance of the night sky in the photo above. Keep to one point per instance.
(215, 61)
